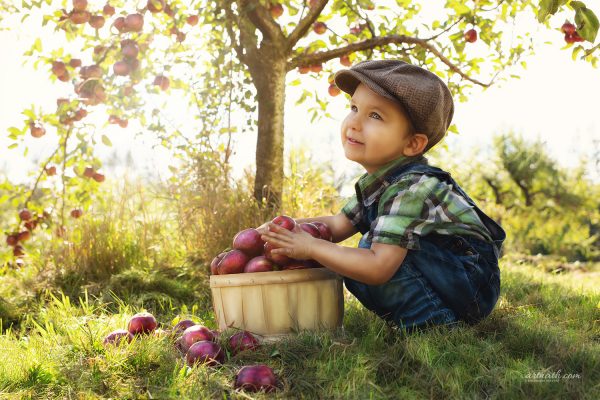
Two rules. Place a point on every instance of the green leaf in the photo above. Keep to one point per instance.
(12, 146)
(38, 45)
(587, 24)
(577, 4)
(576, 51)
(546, 8)
(106, 141)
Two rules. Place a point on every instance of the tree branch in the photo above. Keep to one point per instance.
(231, 18)
(261, 18)
(304, 25)
(324, 56)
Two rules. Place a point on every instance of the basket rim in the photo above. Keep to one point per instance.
(271, 277)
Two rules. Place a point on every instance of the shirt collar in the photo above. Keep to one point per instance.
(370, 186)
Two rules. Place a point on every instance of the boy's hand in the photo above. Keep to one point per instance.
(295, 244)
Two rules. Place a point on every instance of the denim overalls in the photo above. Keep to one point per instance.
(450, 278)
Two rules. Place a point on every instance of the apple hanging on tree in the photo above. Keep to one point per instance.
(471, 35)
(276, 10)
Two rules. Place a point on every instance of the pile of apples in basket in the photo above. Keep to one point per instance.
(251, 254)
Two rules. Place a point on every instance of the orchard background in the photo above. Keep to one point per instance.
(185, 82)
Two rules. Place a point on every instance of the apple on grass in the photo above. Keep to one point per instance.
(193, 334)
(118, 336)
(142, 323)
(205, 352)
(253, 378)
(242, 341)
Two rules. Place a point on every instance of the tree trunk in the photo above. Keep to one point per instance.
(269, 78)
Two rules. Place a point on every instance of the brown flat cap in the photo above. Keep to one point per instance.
(423, 95)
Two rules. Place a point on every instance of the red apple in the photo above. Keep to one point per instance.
(75, 62)
(51, 171)
(123, 123)
(119, 23)
(233, 262)
(108, 10)
(249, 242)
(180, 36)
(333, 90)
(243, 341)
(12, 239)
(471, 36)
(310, 228)
(162, 82)
(155, 6)
(143, 322)
(134, 22)
(295, 264)
(259, 264)
(80, 17)
(182, 325)
(568, 28)
(97, 21)
(214, 270)
(193, 334)
(25, 214)
(18, 251)
(276, 10)
(79, 5)
(61, 101)
(64, 77)
(279, 259)
(121, 68)
(24, 236)
(205, 352)
(345, 61)
(117, 336)
(76, 213)
(129, 48)
(316, 67)
(304, 69)
(89, 172)
(58, 68)
(323, 230)
(36, 130)
(98, 177)
(319, 28)
(192, 20)
(253, 378)
(30, 225)
(90, 71)
(285, 222)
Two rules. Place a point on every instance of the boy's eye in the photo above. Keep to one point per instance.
(352, 107)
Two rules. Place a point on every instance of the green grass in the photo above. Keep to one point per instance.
(545, 322)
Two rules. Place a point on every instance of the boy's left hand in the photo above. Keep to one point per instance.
(295, 244)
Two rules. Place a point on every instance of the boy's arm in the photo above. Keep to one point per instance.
(373, 266)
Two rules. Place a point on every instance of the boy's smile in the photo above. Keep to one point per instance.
(377, 131)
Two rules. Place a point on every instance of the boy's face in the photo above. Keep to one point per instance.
(379, 125)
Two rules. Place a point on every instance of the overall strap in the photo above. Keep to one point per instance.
(498, 234)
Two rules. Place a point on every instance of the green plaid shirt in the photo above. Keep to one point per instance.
(415, 206)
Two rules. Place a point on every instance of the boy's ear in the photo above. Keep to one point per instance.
(416, 144)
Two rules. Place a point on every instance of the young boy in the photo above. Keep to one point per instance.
(428, 255)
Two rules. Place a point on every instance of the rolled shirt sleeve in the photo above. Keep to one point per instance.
(353, 210)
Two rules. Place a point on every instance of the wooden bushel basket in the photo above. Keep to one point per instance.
(278, 303)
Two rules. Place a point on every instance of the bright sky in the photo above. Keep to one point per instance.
(553, 100)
